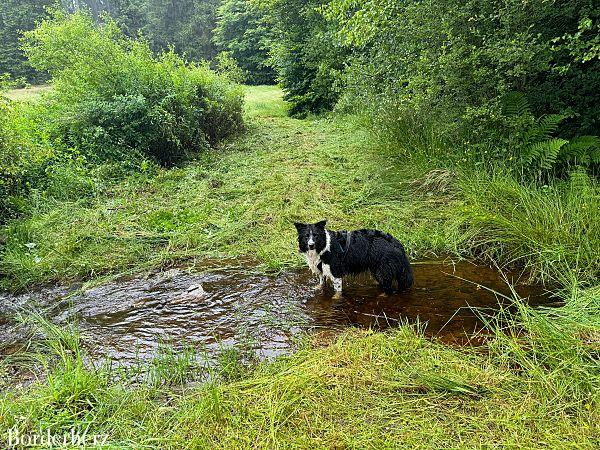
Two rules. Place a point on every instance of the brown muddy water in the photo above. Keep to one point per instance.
(128, 320)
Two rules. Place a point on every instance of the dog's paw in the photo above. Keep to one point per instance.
(337, 295)
(318, 286)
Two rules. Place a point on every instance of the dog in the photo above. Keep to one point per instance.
(331, 255)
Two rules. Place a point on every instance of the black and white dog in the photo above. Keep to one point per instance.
(334, 254)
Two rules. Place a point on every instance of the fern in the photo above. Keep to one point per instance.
(515, 104)
(547, 125)
(579, 181)
(544, 154)
(582, 150)
(540, 149)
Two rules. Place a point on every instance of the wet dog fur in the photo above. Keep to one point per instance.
(331, 255)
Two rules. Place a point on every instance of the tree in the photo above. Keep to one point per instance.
(306, 55)
(457, 60)
(17, 16)
(187, 25)
(243, 31)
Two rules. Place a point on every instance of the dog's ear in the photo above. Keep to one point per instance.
(299, 226)
(321, 224)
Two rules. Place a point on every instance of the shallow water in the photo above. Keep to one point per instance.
(127, 320)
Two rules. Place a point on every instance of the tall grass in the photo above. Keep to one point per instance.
(240, 201)
(551, 231)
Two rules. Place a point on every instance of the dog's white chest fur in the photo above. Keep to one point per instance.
(313, 259)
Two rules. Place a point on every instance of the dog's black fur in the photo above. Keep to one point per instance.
(353, 252)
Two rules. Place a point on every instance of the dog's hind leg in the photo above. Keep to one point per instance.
(404, 275)
(385, 280)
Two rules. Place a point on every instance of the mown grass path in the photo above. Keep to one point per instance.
(239, 200)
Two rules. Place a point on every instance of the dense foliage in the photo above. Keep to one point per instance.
(113, 95)
(17, 16)
(306, 55)
(244, 32)
(185, 25)
(453, 66)
(112, 100)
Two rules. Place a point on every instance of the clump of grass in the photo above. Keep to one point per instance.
(552, 231)
(172, 367)
(555, 360)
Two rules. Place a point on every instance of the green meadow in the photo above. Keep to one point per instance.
(161, 135)
(242, 199)
(536, 389)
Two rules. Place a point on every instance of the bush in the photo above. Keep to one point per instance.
(25, 154)
(113, 99)
(113, 103)
(450, 65)
(227, 66)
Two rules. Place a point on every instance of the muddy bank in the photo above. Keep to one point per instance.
(127, 320)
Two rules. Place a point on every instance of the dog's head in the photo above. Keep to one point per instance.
(311, 236)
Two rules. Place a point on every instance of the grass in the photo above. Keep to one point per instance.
(241, 200)
(238, 201)
(27, 93)
(363, 390)
(534, 384)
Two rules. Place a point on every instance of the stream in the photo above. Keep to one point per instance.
(126, 320)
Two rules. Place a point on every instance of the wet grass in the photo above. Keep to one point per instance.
(240, 201)
(362, 390)
(535, 383)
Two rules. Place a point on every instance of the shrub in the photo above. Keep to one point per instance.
(25, 154)
(449, 65)
(113, 103)
(227, 66)
(114, 99)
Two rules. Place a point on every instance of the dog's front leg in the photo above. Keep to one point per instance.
(337, 286)
(336, 281)
(321, 282)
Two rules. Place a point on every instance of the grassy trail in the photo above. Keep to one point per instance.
(240, 200)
